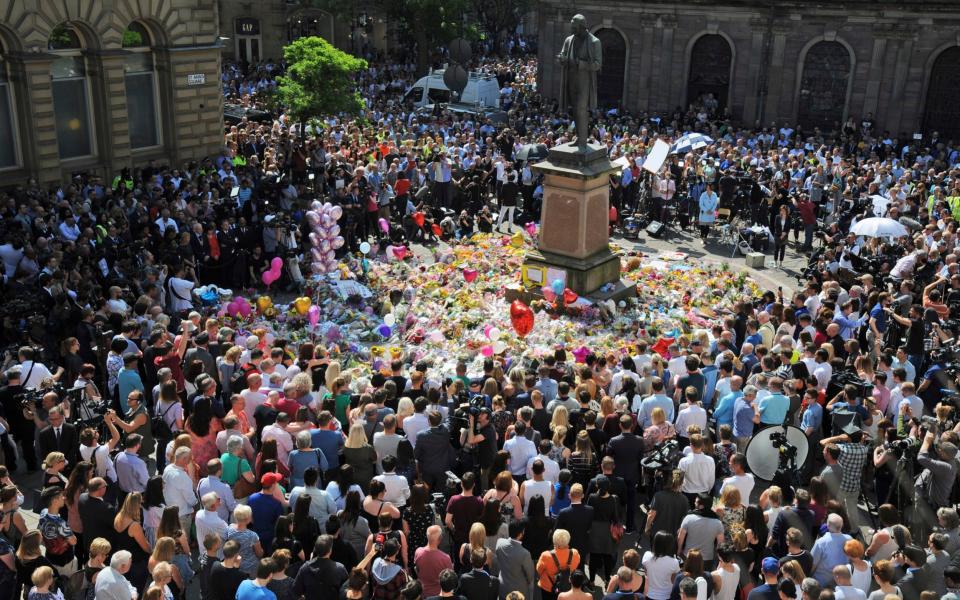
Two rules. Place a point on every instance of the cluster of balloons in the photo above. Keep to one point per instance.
(557, 290)
(239, 307)
(276, 269)
(324, 236)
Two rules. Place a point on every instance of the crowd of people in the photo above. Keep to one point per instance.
(254, 469)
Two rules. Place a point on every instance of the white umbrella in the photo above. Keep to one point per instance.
(879, 227)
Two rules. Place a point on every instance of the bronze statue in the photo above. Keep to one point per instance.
(580, 59)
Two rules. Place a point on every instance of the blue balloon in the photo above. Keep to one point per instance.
(384, 330)
(557, 286)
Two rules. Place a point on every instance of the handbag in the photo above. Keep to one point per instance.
(616, 531)
(242, 488)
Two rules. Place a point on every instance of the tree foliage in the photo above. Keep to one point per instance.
(319, 80)
(500, 17)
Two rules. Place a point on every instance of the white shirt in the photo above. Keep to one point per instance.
(551, 470)
(104, 466)
(823, 373)
(164, 224)
(284, 441)
(744, 483)
(38, 374)
(180, 296)
(397, 490)
(251, 400)
(210, 522)
(178, 489)
(691, 415)
(413, 425)
(521, 451)
(699, 473)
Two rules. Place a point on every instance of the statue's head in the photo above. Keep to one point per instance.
(579, 25)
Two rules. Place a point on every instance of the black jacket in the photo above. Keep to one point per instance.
(319, 578)
(433, 451)
(69, 443)
(478, 585)
(97, 517)
(577, 519)
(626, 450)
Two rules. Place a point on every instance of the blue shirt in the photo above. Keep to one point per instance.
(878, 315)
(812, 417)
(329, 442)
(651, 402)
(773, 409)
(742, 418)
(301, 460)
(266, 510)
(723, 412)
(249, 590)
(827, 553)
(128, 380)
(548, 387)
(754, 338)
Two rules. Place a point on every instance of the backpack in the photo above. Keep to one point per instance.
(159, 426)
(561, 581)
(78, 587)
(238, 381)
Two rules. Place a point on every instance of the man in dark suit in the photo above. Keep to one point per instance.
(59, 436)
(919, 576)
(617, 486)
(96, 513)
(577, 519)
(626, 450)
(202, 353)
(477, 584)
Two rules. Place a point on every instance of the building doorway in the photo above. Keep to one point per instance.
(708, 82)
(942, 110)
(610, 78)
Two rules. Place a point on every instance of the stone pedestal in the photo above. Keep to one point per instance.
(574, 223)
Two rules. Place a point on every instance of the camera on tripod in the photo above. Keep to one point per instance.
(779, 441)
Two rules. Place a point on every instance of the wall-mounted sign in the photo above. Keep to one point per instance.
(247, 26)
(196, 79)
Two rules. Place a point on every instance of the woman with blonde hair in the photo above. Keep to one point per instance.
(476, 540)
(660, 429)
(161, 566)
(792, 571)
(547, 563)
(240, 532)
(731, 510)
(404, 410)
(129, 536)
(360, 455)
(53, 466)
(490, 389)
(29, 557)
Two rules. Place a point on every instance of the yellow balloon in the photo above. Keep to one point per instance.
(264, 302)
(302, 305)
(516, 240)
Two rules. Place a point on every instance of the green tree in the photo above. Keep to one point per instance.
(319, 80)
(500, 17)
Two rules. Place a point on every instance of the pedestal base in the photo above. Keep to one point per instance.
(583, 275)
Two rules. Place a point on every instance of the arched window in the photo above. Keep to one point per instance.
(708, 82)
(71, 102)
(610, 78)
(824, 84)
(139, 77)
(942, 112)
(9, 157)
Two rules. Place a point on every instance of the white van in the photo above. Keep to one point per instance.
(481, 90)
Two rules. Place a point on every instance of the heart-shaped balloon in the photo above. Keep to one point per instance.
(302, 305)
(521, 317)
(400, 252)
(569, 296)
(437, 230)
(581, 353)
(470, 275)
(548, 293)
(264, 302)
(419, 218)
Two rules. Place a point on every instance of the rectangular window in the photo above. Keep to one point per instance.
(142, 110)
(72, 117)
(8, 147)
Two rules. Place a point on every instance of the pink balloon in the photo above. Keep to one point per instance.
(317, 266)
(548, 294)
(276, 264)
(337, 242)
(325, 220)
(324, 245)
(316, 253)
(245, 310)
(333, 231)
(329, 255)
(330, 265)
(316, 205)
(232, 309)
(313, 218)
(268, 277)
(399, 252)
(313, 315)
(487, 351)
(335, 213)
(315, 238)
(384, 225)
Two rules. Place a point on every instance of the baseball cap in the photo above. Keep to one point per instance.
(770, 565)
(269, 479)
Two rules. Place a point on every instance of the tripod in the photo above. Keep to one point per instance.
(787, 476)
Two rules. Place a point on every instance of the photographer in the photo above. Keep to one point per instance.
(854, 454)
(935, 484)
(32, 371)
(481, 436)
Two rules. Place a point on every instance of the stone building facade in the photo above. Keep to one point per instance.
(98, 85)
(259, 29)
(814, 63)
